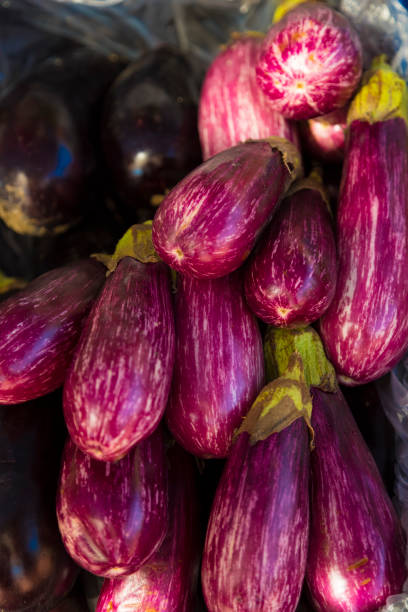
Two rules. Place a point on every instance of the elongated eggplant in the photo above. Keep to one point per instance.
(35, 570)
(40, 327)
(113, 516)
(365, 329)
(324, 137)
(168, 581)
(291, 278)
(119, 381)
(219, 366)
(207, 225)
(232, 107)
(311, 62)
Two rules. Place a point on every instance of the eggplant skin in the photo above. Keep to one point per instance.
(168, 581)
(207, 225)
(365, 329)
(113, 516)
(257, 538)
(40, 326)
(356, 553)
(117, 386)
(219, 366)
(291, 278)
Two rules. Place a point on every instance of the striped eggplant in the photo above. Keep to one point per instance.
(291, 278)
(113, 516)
(40, 326)
(119, 380)
(324, 137)
(365, 329)
(257, 538)
(232, 107)
(207, 225)
(168, 581)
(311, 62)
(219, 365)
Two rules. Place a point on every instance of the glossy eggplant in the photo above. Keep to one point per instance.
(232, 107)
(325, 137)
(40, 326)
(113, 516)
(219, 365)
(291, 278)
(208, 224)
(357, 546)
(365, 329)
(168, 581)
(149, 129)
(117, 387)
(311, 62)
(35, 570)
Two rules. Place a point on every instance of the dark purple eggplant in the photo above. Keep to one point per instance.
(168, 581)
(149, 130)
(208, 224)
(113, 516)
(40, 326)
(117, 386)
(291, 278)
(219, 366)
(35, 570)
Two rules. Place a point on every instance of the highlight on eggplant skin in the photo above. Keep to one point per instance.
(219, 365)
(40, 326)
(232, 107)
(257, 537)
(113, 516)
(168, 581)
(324, 137)
(311, 62)
(291, 277)
(207, 225)
(357, 546)
(119, 380)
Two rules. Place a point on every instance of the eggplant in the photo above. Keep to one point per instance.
(291, 278)
(119, 380)
(219, 365)
(311, 62)
(232, 107)
(149, 130)
(168, 581)
(208, 224)
(365, 329)
(324, 137)
(40, 326)
(35, 570)
(113, 516)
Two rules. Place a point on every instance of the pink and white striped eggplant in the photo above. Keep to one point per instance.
(324, 137)
(311, 62)
(168, 581)
(232, 107)
(207, 225)
(365, 329)
(40, 326)
(219, 365)
(356, 552)
(113, 516)
(291, 278)
(118, 384)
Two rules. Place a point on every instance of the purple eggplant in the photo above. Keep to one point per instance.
(356, 553)
(324, 137)
(207, 225)
(168, 581)
(311, 62)
(219, 366)
(365, 329)
(118, 384)
(232, 107)
(291, 278)
(113, 516)
(40, 327)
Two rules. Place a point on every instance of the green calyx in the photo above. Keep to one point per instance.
(9, 283)
(285, 7)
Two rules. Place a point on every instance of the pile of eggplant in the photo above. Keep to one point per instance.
(177, 396)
